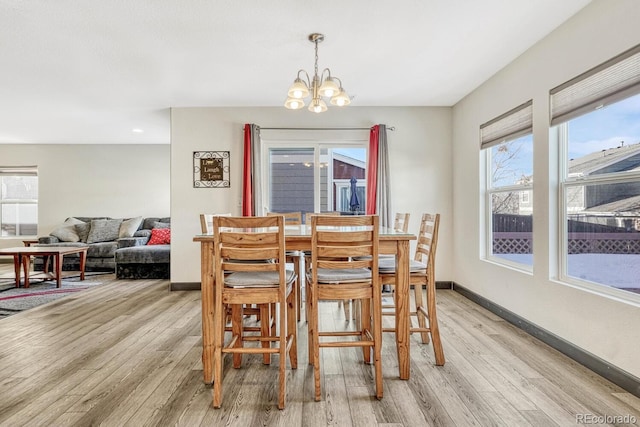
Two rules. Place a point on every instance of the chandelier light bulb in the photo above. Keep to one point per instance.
(341, 99)
(322, 85)
(293, 103)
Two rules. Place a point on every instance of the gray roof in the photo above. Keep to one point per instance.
(629, 205)
(593, 162)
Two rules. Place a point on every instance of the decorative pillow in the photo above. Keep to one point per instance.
(104, 230)
(142, 233)
(161, 225)
(83, 231)
(67, 231)
(160, 236)
(129, 227)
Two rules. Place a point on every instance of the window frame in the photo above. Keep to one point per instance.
(12, 171)
(605, 84)
(505, 128)
(317, 145)
(566, 182)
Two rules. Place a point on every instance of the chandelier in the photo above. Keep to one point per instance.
(323, 85)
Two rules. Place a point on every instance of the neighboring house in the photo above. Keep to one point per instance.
(292, 182)
(345, 168)
(616, 204)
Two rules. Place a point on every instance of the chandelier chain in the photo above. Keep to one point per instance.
(316, 59)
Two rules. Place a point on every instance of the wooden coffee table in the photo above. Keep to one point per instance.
(22, 257)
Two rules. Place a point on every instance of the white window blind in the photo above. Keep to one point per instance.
(508, 126)
(611, 81)
(18, 170)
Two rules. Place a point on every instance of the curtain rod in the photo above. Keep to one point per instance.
(391, 128)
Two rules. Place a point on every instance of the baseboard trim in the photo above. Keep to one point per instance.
(444, 284)
(598, 365)
(184, 286)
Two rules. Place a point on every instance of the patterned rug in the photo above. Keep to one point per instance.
(14, 300)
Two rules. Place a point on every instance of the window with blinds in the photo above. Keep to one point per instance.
(18, 201)
(596, 116)
(609, 82)
(507, 144)
(508, 126)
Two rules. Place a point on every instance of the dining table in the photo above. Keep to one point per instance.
(298, 238)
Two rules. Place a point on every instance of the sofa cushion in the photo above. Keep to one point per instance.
(130, 226)
(144, 254)
(83, 230)
(104, 230)
(160, 236)
(67, 231)
(148, 222)
(63, 244)
(102, 250)
(159, 224)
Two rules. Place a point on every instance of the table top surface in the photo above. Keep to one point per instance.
(43, 250)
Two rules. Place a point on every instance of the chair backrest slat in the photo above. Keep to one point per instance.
(401, 222)
(249, 243)
(427, 238)
(290, 218)
(338, 242)
(308, 215)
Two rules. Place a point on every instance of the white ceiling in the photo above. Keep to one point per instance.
(90, 71)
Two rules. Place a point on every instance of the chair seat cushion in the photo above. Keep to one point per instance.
(388, 265)
(256, 279)
(346, 275)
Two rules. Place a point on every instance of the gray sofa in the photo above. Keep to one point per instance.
(129, 257)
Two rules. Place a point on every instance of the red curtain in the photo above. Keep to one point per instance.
(247, 182)
(372, 170)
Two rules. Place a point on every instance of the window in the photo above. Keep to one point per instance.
(599, 137)
(508, 145)
(313, 177)
(18, 201)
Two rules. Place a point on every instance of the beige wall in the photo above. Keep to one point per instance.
(94, 180)
(420, 162)
(608, 328)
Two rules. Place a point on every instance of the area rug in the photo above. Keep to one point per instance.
(15, 300)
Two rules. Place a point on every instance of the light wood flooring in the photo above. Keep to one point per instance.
(127, 353)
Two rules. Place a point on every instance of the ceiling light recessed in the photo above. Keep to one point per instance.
(137, 130)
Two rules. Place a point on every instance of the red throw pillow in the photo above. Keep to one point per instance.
(160, 236)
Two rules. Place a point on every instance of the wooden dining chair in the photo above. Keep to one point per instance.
(337, 273)
(206, 222)
(307, 254)
(294, 257)
(206, 225)
(252, 251)
(421, 277)
(401, 224)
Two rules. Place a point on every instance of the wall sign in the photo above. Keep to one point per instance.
(211, 169)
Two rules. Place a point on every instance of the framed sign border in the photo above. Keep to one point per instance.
(200, 183)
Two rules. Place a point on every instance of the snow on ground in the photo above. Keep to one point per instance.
(615, 270)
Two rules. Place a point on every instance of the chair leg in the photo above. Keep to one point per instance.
(266, 329)
(365, 325)
(377, 339)
(236, 330)
(218, 326)
(283, 307)
(292, 331)
(433, 322)
(314, 341)
(422, 322)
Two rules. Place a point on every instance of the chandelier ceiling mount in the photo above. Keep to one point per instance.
(321, 85)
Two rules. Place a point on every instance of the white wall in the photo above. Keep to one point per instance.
(420, 162)
(94, 180)
(607, 328)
